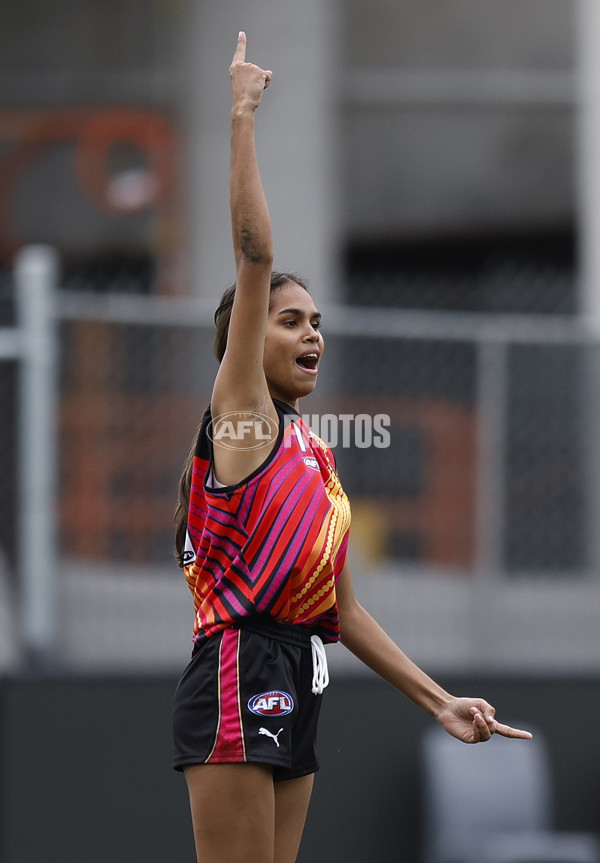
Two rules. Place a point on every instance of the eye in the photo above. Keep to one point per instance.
(316, 324)
(290, 323)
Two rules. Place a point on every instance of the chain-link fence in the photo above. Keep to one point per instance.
(464, 440)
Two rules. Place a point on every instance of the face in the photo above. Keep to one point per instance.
(293, 344)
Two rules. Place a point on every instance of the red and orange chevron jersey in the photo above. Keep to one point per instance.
(274, 544)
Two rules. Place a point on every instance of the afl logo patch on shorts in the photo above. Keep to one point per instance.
(274, 703)
(309, 461)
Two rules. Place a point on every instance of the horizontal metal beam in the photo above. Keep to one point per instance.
(358, 321)
(451, 87)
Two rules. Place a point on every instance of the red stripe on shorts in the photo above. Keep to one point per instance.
(229, 745)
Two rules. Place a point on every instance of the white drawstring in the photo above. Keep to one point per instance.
(320, 670)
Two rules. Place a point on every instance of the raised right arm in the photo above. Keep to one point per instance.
(240, 382)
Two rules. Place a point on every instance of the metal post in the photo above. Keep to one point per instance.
(305, 170)
(36, 273)
(588, 128)
(491, 446)
(588, 205)
(492, 395)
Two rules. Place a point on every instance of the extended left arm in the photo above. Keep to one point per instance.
(469, 719)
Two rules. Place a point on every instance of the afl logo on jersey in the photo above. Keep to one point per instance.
(275, 703)
(309, 461)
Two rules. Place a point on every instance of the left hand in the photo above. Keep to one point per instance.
(472, 720)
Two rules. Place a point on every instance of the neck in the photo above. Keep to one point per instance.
(293, 403)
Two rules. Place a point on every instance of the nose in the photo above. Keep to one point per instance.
(311, 338)
(311, 334)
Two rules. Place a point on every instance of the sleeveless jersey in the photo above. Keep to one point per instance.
(274, 544)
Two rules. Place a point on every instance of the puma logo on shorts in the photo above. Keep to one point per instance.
(268, 734)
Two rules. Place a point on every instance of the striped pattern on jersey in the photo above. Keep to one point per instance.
(274, 544)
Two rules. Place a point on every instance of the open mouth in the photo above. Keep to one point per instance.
(308, 362)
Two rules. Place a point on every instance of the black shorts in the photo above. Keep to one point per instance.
(246, 696)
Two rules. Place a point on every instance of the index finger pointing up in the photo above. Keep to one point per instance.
(240, 50)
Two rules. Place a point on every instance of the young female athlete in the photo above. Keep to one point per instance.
(262, 529)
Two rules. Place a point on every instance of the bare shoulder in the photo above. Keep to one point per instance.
(243, 438)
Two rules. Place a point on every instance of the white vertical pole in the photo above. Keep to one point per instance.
(492, 386)
(36, 274)
(588, 206)
(296, 136)
(588, 128)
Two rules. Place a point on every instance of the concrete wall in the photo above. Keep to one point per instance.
(457, 115)
(85, 767)
(399, 116)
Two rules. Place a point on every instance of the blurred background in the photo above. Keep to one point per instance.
(433, 170)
